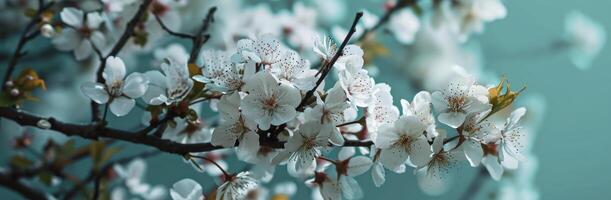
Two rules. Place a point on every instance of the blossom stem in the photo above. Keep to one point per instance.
(213, 162)
(359, 121)
(128, 33)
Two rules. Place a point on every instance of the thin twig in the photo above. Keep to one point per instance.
(6, 180)
(26, 36)
(386, 17)
(176, 34)
(200, 37)
(328, 65)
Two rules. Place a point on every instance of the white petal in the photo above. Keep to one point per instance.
(350, 188)
(120, 106)
(72, 16)
(452, 119)
(393, 158)
(359, 165)
(223, 136)
(115, 69)
(95, 91)
(345, 153)
(135, 85)
(473, 152)
(248, 144)
(83, 50)
(186, 189)
(420, 152)
(493, 166)
(378, 174)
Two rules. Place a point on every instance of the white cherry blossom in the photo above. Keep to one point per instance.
(133, 175)
(459, 99)
(235, 126)
(81, 33)
(330, 113)
(421, 109)
(404, 25)
(294, 70)
(304, 146)
(359, 87)
(186, 189)
(236, 187)
(269, 102)
(120, 93)
(220, 74)
(585, 38)
(402, 140)
(382, 111)
(265, 50)
(170, 87)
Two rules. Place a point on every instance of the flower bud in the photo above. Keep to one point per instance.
(47, 31)
(15, 92)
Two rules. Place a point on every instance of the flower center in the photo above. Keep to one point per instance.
(115, 88)
(404, 141)
(85, 32)
(270, 104)
(456, 103)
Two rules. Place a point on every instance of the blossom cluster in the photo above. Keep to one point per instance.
(284, 93)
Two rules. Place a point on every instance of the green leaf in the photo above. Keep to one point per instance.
(21, 162)
(97, 149)
(46, 178)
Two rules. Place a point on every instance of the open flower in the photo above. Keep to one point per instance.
(234, 126)
(266, 50)
(421, 109)
(81, 32)
(268, 102)
(432, 177)
(118, 92)
(382, 111)
(188, 132)
(349, 166)
(402, 140)
(186, 189)
(359, 87)
(330, 113)
(460, 98)
(476, 131)
(236, 187)
(219, 73)
(170, 87)
(472, 14)
(585, 38)
(133, 175)
(295, 71)
(404, 25)
(303, 147)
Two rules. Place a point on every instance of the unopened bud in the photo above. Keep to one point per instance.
(9, 84)
(47, 31)
(43, 124)
(15, 92)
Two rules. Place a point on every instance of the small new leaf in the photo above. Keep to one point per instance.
(500, 99)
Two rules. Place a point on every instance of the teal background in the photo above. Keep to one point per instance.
(572, 143)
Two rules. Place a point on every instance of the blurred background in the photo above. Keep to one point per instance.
(571, 105)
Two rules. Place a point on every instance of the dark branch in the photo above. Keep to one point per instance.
(176, 34)
(326, 68)
(18, 186)
(200, 37)
(384, 19)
